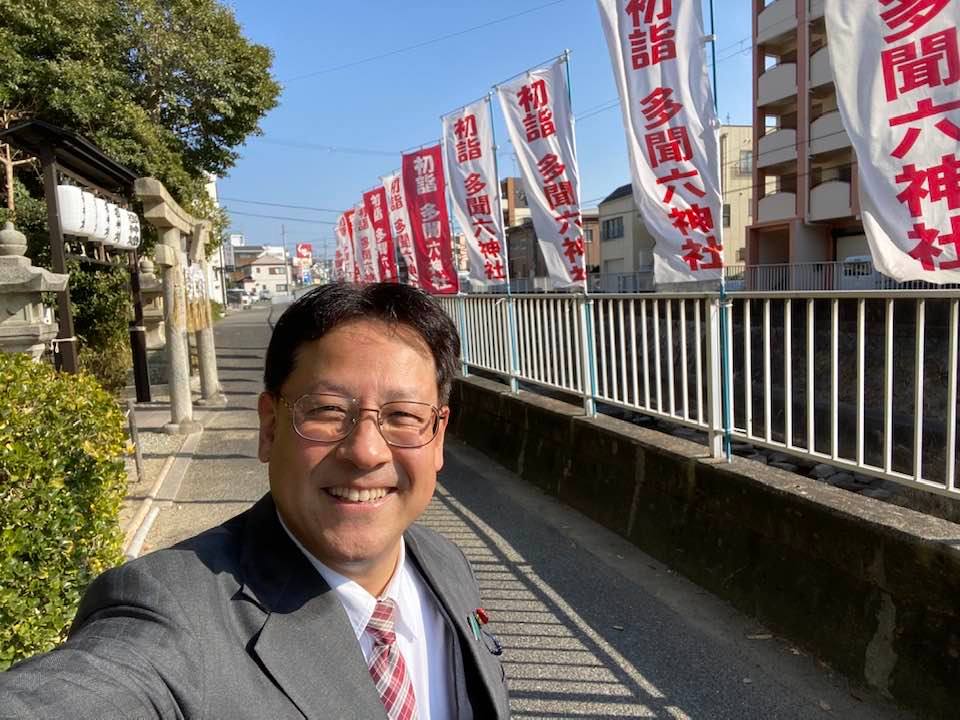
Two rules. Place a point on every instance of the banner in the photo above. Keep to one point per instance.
(303, 256)
(400, 225)
(426, 194)
(366, 262)
(471, 168)
(375, 205)
(659, 65)
(536, 107)
(343, 258)
(899, 100)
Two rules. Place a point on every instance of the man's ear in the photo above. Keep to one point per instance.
(438, 440)
(267, 410)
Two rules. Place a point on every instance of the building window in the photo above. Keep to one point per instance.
(612, 229)
(589, 235)
(281, 287)
(746, 162)
(726, 215)
(256, 270)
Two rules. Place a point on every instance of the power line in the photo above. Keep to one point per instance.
(281, 217)
(280, 205)
(327, 148)
(424, 43)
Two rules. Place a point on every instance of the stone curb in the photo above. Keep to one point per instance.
(163, 492)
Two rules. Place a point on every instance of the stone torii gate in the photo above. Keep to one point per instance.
(182, 243)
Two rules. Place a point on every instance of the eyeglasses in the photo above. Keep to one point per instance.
(330, 418)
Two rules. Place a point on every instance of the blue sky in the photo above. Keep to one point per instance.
(387, 105)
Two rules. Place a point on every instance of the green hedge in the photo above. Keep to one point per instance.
(62, 479)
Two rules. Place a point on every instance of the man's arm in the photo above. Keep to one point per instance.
(131, 654)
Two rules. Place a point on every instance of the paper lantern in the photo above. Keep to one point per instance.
(123, 222)
(113, 225)
(101, 231)
(133, 239)
(77, 211)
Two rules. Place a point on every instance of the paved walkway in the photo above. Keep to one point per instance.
(591, 627)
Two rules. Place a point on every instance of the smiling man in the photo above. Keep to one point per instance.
(324, 600)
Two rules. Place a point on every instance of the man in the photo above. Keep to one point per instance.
(323, 600)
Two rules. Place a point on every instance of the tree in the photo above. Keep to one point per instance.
(169, 88)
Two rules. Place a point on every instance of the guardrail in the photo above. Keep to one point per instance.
(862, 380)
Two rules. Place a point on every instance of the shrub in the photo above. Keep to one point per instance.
(101, 313)
(62, 478)
(216, 310)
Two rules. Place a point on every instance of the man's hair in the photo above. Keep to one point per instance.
(318, 312)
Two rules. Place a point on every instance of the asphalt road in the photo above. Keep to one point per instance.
(590, 626)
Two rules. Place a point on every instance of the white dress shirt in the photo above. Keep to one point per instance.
(422, 635)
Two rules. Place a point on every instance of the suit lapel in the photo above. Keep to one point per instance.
(455, 600)
(306, 643)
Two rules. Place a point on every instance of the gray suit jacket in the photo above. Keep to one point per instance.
(236, 623)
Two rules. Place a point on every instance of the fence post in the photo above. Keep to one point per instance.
(461, 304)
(588, 349)
(513, 334)
(715, 379)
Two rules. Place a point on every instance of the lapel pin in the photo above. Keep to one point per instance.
(482, 616)
(474, 626)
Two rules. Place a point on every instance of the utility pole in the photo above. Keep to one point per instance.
(286, 265)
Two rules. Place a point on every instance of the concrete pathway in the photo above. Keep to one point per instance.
(590, 626)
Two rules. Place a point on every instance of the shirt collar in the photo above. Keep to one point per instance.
(357, 602)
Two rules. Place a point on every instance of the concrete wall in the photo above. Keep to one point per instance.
(871, 589)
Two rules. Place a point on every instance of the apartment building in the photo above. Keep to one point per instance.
(805, 204)
(625, 244)
(736, 167)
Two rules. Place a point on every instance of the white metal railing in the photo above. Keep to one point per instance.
(862, 380)
(828, 276)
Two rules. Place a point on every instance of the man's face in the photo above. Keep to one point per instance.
(374, 363)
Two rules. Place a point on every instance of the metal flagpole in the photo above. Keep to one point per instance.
(724, 303)
(586, 312)
(511, 309)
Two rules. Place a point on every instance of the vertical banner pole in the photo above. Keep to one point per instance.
(589, 405)
(511, 308)
(724, 303)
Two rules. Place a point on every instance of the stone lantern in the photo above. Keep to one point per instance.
(151, 289)
(23, 323)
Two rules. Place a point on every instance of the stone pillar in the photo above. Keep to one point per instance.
(22, 319)
(168, 257)
(210, 389)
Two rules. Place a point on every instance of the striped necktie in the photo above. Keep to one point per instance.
(387, 668)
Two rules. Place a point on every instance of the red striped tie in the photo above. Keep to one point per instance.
(387, 668)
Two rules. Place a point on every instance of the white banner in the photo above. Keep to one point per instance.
(659, 64)
(365, 253)
(469, 158)
(400, 224)
(899, 99)
(344, 257)
(536, 107)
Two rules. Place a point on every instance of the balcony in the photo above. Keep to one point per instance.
(828, 134)
(776, 19)
(830, 200)
(815, 9)
(777, 206)
(777, 83)
(821, 72)
(777, 147)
